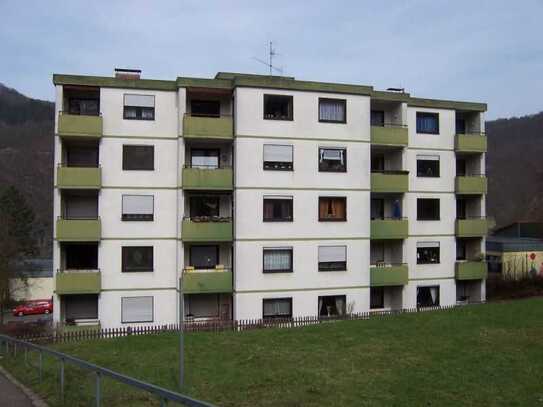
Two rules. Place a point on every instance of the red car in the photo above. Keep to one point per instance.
(34, 307)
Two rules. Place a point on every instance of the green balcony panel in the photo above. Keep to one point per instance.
(208, 127)
(390, 182)
(79, 230)
(393, 275)
(475, 185)
(470, 143)
(471, 270)
(70, 125)
(476, 227)
(206, 231)
(79, 177)
(382, 229)
(78, 283)
(389, 136)
(212, 282)
(214, 179)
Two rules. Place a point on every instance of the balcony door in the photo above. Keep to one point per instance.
(205, 158)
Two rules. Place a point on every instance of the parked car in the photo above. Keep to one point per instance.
(33, 308)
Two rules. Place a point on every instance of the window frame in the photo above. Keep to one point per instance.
(264, 300)
(342, 198)
(139, 322)
(427, 114)
(283, 165)
(278, 249)
(141, 218)
(438, 247)
(290, 116)
(277, 198)
(343, 264)
(422, 175)
(344, 149)
(419, 209)
(123, 259)
(139, 109)
(342, 101)
(124, 160)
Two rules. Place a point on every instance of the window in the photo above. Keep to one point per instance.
(87, 107)
(461, 167)
(377, 118)
(377, 253)
(332, 258)
(278, 157)
(332, 110)
(204, 206)
(377, 208)
(332, 159)
(139, 107)
(277, 308)
(277, 260)
(137, 259)
(332, 209)
(377, 163)
(427, 209)
(428, 253)
(136, 309)
(278, 209)
(81, 306)
(81, 256)
(331, 305)
(204, 257)
(428, 296)
(427, 123)
(460, 249)
(82, 156)
(138, 207)
(460, 126)
(461, 209)
(80, 206)
(427, 166)
(377, 297)
(278, 107)
(205, 108)
(140, 158)
(202, 305)
(206, 158)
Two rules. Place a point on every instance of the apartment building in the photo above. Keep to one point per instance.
(250, 196)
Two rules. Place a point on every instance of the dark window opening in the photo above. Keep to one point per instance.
(278, 210)
(332, 209)
(460, 209)
(81, 306)
(277, 308)
(427, 123)
(377, 297)
(81, 256)
(460, 126)
(82, 156)
(378, 118)
(205, 108)
(278, 107)
(139, 113)
(332, 110)
(427, 209)
(204, 206)
(428, 255)
(428, 168)
(137, 259)
(204, 257)
(460, 249)
(333, 159)
(332, 305)
(377, 163)
(138, 158)
(277, 260)
(86, 107)
(377, 208)
(461, 166)
(428, 296)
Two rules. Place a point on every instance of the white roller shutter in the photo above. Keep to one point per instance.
(137, 309)
(427, 244)
(138, 204)
(277, 153)
(139, 100)
(332, 254)
(427, 157)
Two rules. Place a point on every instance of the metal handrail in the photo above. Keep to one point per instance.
(190, 114)
(208, 167)
(61, 112)
(203, 219)
(62, 217)
(390, 218)
(191, 269)
(65, 165)
(471, 217)
(160, 392)
(472, 133)
(471, 174)
(403, 126)
(386, 264)
(75, 271)
(390, 172)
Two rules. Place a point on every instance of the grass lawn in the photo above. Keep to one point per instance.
(485, 355)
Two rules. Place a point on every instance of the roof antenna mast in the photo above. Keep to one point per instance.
(269, 64)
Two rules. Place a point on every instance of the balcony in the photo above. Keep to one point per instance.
(208, 127)
(71, 125)
(78, 282)
(78, 230)
(390, 181)
(389, 275)
(471, 185)
(471, 227)
(219, 179)
(470, 143)
(206, 231)
(471, 270)
(391, 228)
(395, 136)
(207, 282)
(79, 177)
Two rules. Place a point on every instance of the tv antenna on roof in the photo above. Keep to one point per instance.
(269, 64)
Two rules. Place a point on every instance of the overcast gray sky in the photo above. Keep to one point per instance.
(489, 51)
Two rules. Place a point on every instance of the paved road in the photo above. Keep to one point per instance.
(8, 317)
(11, 395)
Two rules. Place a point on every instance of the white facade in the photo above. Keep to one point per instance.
(305, 289)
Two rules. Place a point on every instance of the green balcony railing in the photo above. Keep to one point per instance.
(214, 179)
(208, 127)
(79, 230)
(389, 275)
(471, 143)
(78, 282)
(79, 177)
(471, 270)
(471, 227)
(471, 185)
(207, 282)
(389, 229)
(389, 135)
(71, 125)
(390, 181)
(202, 231)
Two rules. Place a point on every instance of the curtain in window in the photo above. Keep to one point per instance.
(320, 306)
(332, 110)
(268, 209)
(427, 123)
(340, 303)
(277, 308)
(332, 208)
(433, 293)
(332, 154)
(277, 259)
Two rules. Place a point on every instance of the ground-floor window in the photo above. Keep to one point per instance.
(277, 307)
(332, 305)
(428, 296)
(76, 307)
(377, 297)
(207, 306)
(136, 309)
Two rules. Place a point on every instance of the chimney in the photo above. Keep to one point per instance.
(121, 73)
